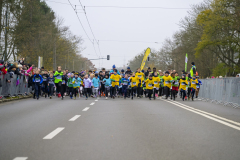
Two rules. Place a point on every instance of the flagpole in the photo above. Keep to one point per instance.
(186, 60)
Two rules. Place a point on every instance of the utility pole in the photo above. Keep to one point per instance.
(73, 65)
(55, 61)
(68, 60)
(124, 62)
(6, 26)
(99, 63)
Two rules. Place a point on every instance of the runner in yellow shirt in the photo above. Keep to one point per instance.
(115, 78)
(134, 80)
(156, 81)
(183, 86)
(149, 86)
(167, 83)
(194, 83)
(140, 75)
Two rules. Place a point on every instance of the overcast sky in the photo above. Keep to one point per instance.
(122, 31)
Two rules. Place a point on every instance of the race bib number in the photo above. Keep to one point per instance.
(70, 83)
(37, 80)
(134, 83)
(63, 82)
(125, 83)
(176, 83)
(166, 82)
(155, 82)
(193, 82)
(44, 79)
(198, 86)
(59, 77)
(51, 82)
(149, 85)
(140, 76)
(183, 84)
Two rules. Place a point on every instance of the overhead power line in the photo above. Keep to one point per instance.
(80, 21)
(90, 26)
(133, 7)
(117, 6)
(127, 41)
(88, 20)
(60, 2)
(82, 26)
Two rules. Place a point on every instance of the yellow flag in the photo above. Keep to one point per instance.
(145, 57)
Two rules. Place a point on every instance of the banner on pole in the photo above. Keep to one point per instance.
(186, 60)
(40, 62)
(148, 51)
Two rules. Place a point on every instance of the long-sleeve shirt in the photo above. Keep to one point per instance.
(2, 68)
(199, 83)
(76, 82)
(29, 70)
(107, 82)
(115, 79)
(45, 76)
(125, 81)
(95, 82)
(70, 84)
(64, 79)
(87, 83)
(183, 84)
(37, 78)
(50, 81)
(58, 77)
(167, 81)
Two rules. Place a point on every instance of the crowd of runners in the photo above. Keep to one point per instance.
(114, 83)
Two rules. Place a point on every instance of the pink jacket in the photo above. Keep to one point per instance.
(25, 72)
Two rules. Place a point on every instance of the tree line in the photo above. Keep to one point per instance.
(29, 28)
(209, 34)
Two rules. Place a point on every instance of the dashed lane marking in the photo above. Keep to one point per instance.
(53, 133)
(20, 158)
(85, 109)
(92, 103)
(74, 118)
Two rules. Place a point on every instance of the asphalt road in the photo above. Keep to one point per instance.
(118, 129)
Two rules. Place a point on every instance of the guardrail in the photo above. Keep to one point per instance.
(224, 91)
(17, 86)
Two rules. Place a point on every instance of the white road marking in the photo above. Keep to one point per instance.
(92, 103)
(74, 118)
(96, 100)
(85, 109)
(204, 115)
(53, 133)
(20, 158)
(210, 114)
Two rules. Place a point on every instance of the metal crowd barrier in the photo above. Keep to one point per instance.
(17, 86)
(224, 91)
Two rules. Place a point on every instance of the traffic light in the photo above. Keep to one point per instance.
(108, 57)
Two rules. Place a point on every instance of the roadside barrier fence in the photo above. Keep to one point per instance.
(224, 91)
(17, 86)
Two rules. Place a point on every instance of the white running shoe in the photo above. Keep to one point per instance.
(106, 97)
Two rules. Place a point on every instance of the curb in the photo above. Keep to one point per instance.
(16, 98)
